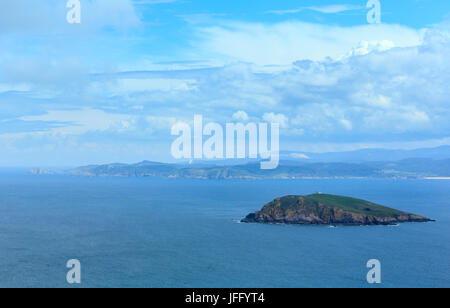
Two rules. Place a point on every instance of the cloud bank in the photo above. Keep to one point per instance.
(329, 87)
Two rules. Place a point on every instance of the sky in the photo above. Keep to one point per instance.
(110, 88)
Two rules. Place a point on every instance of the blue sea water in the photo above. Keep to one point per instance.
(185, 233)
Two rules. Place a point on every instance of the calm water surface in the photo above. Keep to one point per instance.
(185, 233)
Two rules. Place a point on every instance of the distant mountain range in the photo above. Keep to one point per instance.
(370, 155)
(370, 163)
(409, 168)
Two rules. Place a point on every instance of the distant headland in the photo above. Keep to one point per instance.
(324, 209)
(250, 170)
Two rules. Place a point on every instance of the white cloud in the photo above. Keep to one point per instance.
(369, 97)
(286, 42)
(326, 9)
(153, 1)
(81, 121)
(276, 118)
(299, 155)
(346, 124)
(240, 116)
(77, 122)
(49, 17)
(366, 47)
(132, 85)
(396, 93)
(324, 147)
(332, 9)
(375, 96)
(22, 87)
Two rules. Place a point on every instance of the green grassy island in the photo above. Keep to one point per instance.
(324, 209)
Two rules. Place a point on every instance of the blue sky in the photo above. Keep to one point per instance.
(110, 88)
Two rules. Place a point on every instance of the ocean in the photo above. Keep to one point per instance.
(142, 232)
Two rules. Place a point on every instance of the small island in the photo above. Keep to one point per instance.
(324, 209)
